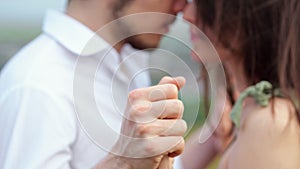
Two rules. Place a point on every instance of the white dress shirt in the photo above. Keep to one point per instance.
(38, 124)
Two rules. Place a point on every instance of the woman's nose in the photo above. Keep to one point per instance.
(189, 13)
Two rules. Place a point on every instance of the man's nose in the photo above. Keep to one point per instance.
(189, 13)
(179, 6)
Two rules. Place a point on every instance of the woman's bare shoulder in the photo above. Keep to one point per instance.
(276, 118)
(268, 138)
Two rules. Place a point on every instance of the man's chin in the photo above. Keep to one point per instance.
(144, 46)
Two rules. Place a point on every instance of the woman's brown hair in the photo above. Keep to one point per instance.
(269, 36)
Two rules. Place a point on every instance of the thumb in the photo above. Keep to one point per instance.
(178, 81)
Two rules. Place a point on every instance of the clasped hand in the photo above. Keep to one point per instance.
(152, 129)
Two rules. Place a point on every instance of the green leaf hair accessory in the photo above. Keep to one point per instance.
(261, 92)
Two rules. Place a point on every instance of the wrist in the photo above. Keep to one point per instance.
(114, 162)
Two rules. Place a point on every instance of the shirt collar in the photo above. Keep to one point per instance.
(75, 36)
(72, 34)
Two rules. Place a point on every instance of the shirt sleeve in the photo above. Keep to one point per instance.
(37, 130)
(177, 163)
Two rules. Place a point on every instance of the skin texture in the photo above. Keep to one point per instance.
(198, 155)
(96, 14)
(154, 23)
(156, 118)
(272, 137)
(269, 136)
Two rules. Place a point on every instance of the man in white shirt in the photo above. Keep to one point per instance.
(45, 90)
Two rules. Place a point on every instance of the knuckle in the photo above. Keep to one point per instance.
(181, 127)
(135, 94)
(150, 147)
(178, 105)
(142, 130)
(184, 126)
(166, 78)
(181, 143)
(156, 159)
(172, 90)
(140, 109)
